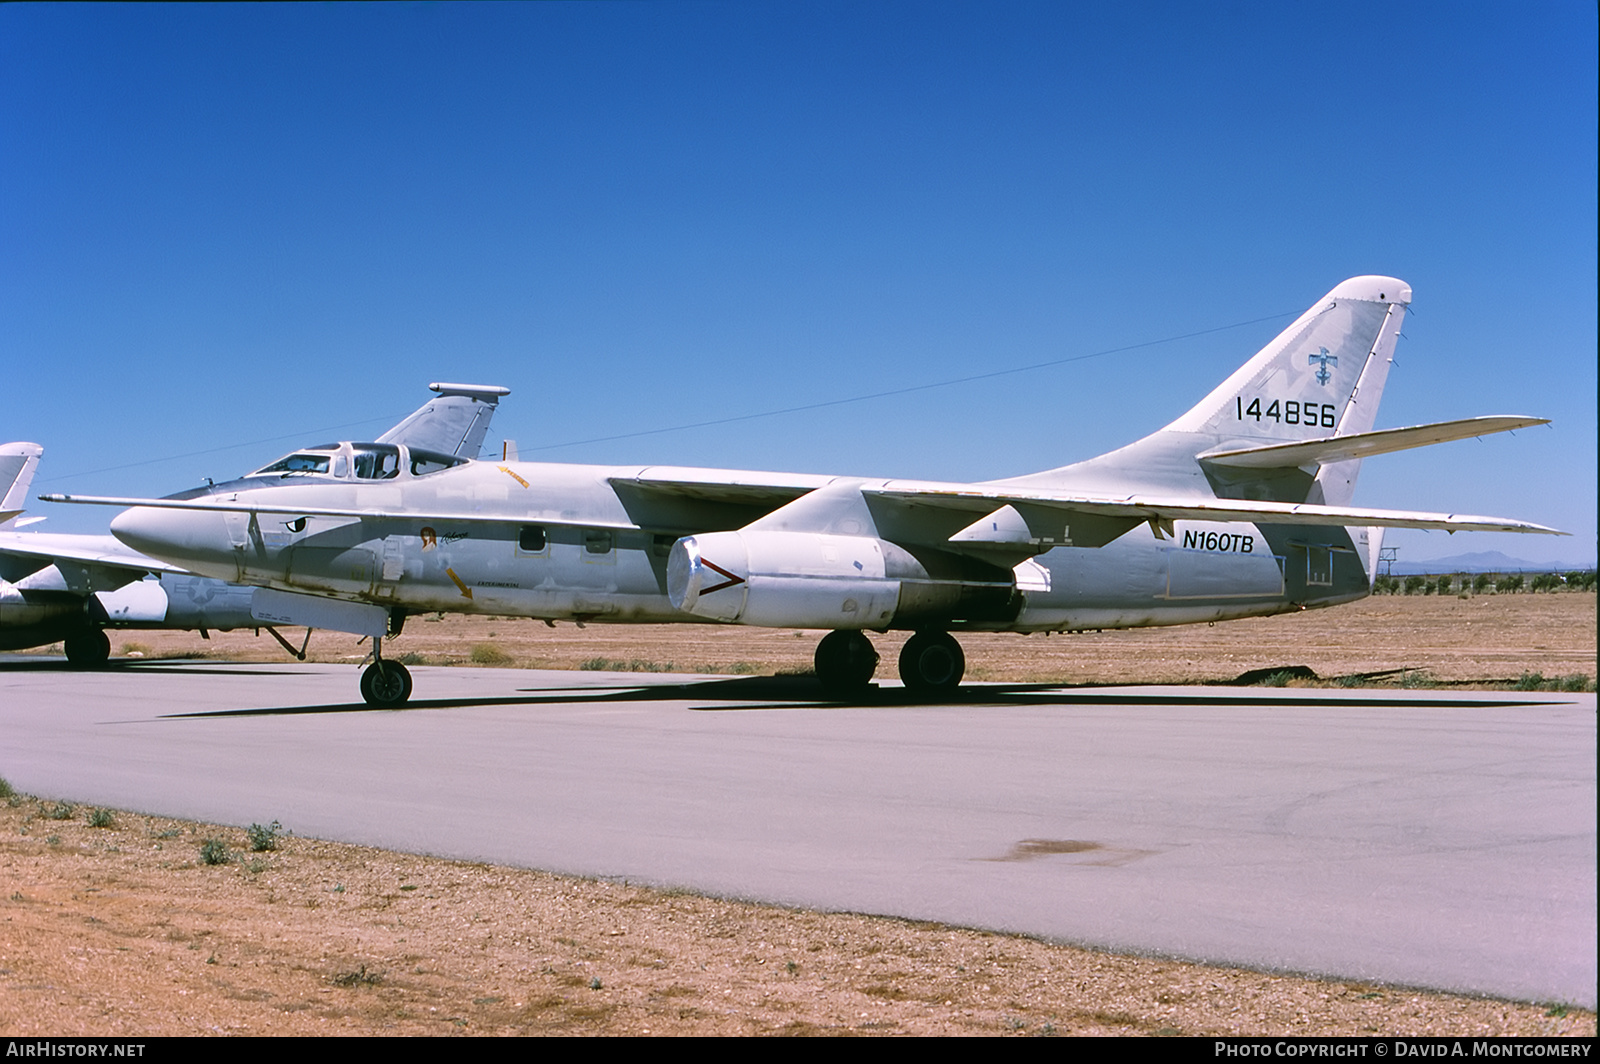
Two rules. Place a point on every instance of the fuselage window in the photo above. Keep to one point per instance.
(377, 461)
(1319, 566)
(597, 541)
(425, 462)
(532, 539)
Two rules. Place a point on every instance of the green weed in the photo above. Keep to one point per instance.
(102, 818)
(215, 852)
(265, 838)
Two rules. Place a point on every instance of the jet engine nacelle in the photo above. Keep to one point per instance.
(818, 580)
(33, 618)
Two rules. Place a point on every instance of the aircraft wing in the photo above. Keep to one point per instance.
(106, 551)
(1363, 444)
(1161, 512)
(1126, 511)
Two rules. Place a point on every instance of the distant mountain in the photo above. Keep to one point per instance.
(1483, 561)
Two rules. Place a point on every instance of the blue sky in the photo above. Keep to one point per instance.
(226, 231)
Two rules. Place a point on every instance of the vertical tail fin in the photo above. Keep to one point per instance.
(454, 423)
(1322, 376)
(18, 463)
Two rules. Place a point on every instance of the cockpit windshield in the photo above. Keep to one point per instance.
(368, 461)
(298, 463)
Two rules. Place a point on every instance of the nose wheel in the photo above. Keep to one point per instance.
(845, 662)
(386, 684)
(932, 662)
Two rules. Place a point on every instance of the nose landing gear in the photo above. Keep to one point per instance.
(386, 683)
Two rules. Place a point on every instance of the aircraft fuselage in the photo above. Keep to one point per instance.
(577, 546)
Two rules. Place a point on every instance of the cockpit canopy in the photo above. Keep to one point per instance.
(359, 461)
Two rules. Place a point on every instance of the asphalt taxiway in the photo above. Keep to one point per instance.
(1436, 839)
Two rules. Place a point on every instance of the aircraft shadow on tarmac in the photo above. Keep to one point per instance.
(750, 693)
(179, 666)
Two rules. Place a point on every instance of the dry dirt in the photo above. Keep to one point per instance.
(123, 930)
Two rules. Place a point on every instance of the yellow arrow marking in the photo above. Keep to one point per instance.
(466, 592)
(512, 475)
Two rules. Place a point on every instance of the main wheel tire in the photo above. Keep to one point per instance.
(845, 662)
(931, 662)
(87, 649)
(385, 684)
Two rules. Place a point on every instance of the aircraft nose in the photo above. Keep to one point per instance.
(195, 540)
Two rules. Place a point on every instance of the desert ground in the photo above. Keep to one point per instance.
(116, 925)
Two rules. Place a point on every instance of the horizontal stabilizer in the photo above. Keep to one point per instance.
(1327, 449)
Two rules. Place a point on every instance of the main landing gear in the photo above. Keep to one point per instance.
(87, 648)
(386, 683)
(930, 662)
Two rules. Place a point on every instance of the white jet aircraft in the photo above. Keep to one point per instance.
(71, 587)
(1239, 508)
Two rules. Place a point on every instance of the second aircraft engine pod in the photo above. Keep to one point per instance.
(816, 580)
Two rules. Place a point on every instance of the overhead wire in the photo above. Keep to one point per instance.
(733, 419)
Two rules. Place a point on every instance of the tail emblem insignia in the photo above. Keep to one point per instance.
(1323, 376)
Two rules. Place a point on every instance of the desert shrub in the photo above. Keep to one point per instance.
(102, 818)
(60, 811)
(262, 838)
(1508, 583)
(489, 654)
(619, 665)
(1581, 581)
(360, 977)
(6, 790)
(1442, 586)
(215, 852)
(1546, 582)
(1415, 584)
(1481, 583)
